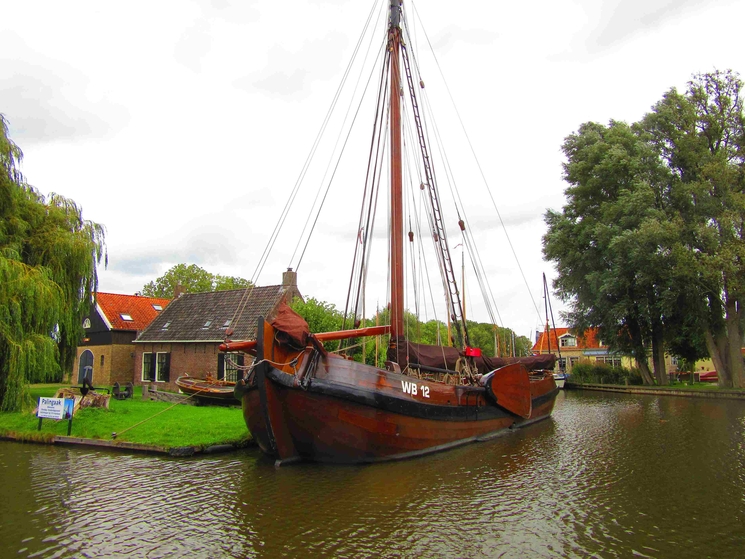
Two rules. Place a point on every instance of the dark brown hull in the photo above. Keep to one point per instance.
(354, 413)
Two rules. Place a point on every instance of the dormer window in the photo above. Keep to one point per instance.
(158, 307)
(568, 341)
(125, 316)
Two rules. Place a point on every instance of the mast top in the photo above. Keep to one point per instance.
(396, 13)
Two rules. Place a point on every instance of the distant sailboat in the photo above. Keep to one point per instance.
(560, 377)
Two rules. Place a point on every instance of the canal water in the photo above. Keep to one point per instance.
(608, 476)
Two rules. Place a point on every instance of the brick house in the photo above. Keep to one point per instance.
(107, 352)
(185, 337)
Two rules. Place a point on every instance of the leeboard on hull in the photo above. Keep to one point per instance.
(350, 412)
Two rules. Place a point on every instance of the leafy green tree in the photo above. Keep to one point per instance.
(225, 283)
(508, 344)
(320, 316)
(523, 346)
(192, 279)
(324, 317)
(48, 260)
(700, 137)
(604, 242)
(649, 246)
(434, 332)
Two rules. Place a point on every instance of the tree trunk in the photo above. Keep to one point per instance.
(718, 356)
(639, 351)
(734, 345)
(643, 366)
(658, 355)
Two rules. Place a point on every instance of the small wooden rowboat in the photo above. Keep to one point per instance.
(209, 388)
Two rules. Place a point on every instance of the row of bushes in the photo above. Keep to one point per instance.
(601, 373)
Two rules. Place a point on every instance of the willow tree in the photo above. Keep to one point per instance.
(48, 260)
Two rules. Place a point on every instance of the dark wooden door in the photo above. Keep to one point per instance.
(86, 366)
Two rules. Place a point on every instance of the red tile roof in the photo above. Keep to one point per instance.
(587, 341)
(141, 309)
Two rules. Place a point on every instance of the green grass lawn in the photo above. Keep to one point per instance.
(678, 385)
(134, 420)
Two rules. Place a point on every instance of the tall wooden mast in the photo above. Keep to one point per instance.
(397, 220)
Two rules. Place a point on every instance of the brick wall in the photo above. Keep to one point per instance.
(101, 373)
(195, 359)
(122, 363)
(118, 364)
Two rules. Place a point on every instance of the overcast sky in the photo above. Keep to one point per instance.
(182, 126)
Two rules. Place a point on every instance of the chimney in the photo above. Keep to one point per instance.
(289, 279)
(179, 291)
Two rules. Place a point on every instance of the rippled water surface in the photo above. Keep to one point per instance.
(607, 476)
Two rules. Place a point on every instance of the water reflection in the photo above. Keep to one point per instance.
(608, 476)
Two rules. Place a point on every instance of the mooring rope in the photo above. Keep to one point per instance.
(292, 363)
(115, 435)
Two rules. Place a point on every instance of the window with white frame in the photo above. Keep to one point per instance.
(156, 366)
(568, 341)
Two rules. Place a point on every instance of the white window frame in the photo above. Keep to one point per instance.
(158, 369)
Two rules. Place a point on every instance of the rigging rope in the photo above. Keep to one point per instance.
(368, 210)
(285, 211)
(486, 184)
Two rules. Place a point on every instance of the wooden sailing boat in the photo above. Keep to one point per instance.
(208, 388)
(302, 402)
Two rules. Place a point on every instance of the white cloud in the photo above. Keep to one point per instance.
(183, 126)
(48, 99)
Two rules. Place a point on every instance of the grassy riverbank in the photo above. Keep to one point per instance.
(138, 421)
(674, 385)
(699, 389)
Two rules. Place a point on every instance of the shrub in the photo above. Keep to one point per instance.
(601, 373)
